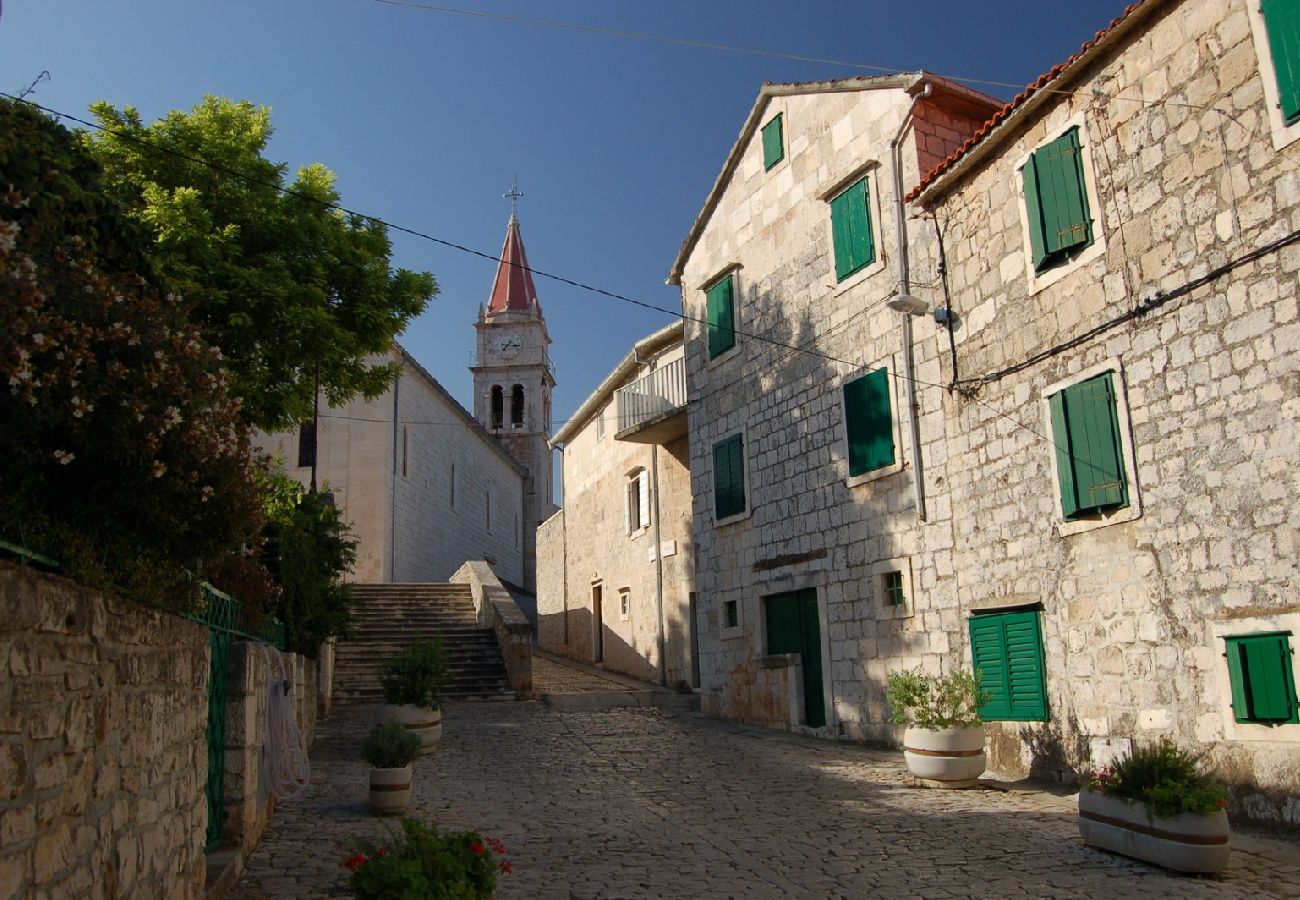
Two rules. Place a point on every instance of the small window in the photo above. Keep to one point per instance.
(731, 614)
(624, 605)
(773, 142)
(721, 317)
(1262, 677)
(1089, 453)
(452, 491)
(487, 510)
(406, 449)
(869, 422)
(517, 406)
(600, 425)
(1056, 201)
(729, 477)
(854, 244)
(498, 405)
(891, 589)
(307, 444)
(1007, 651)
(1282, 24)
(638, 501)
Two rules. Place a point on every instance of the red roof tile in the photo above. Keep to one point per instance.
(513, 290)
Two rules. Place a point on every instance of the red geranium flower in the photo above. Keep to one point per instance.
(497, 847)
(505, 866)
(476, 847)
(355, 862)
(382, 852)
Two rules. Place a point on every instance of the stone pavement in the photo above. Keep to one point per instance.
(636, 802)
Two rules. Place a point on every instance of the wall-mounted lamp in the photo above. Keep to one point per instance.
(906, 303)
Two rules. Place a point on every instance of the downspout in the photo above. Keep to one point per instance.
(564, 549)
(904, 284)
(392, 521)
(659, 549)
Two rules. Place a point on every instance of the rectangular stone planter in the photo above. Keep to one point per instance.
(1185, 843)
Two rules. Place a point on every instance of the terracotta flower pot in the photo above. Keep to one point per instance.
(1189, 842)
(390, 791)
(423, 722)
(950, 758)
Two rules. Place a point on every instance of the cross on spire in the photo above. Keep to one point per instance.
(514, 194)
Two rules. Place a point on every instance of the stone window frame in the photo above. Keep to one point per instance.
(624, 604)
(1038, 281)
(1283, 135)
(637, 476)
(726, 632)
(1066, 527)
(1227, 626)
(881, 568)
(732, 269)
(868, 170)
(749, 484)
(890, 362)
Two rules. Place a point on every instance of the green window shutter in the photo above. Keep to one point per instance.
(1064, 456)
(1237, 680)
(851, 230)
(1007, 650)
(721, 318)
(773, 143)
(869, 422)
(1034, 210)
(1090, 455)
(1263, 681)
(1056, 200)
(1282, 22)
(729, 477)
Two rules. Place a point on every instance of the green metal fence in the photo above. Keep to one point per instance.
(227, 620)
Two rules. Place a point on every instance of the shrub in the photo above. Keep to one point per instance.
(390, 746)
(425, 862)
(933, 701)
(1168, 779)
(416, 675)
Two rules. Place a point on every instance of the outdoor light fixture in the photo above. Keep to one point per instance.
(906, 303)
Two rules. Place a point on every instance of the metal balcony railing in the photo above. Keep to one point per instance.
(652, 395)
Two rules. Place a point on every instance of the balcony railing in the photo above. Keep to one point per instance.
(652, 397)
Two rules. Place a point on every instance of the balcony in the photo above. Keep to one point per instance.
(652, 409)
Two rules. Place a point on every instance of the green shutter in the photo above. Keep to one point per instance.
(729, 477)
(1056, 200)
(1262, 679)
(1034, 212)
(1007, 651)
(773, 143)
(1237, 680)
(721, 318)
(1282, 22)
(869, 422)
(1064, 457)
(1089, 451)
(851, 230)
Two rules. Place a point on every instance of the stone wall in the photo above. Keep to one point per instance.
(496, 609)
(102, 756)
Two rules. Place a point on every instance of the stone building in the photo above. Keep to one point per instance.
(812, 527)
(1122, 244)
(615, 571)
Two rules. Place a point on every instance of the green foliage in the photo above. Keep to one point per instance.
(935, 702)
(125, 457)
(307, 549)
(416, 675)
(390, 746)
(1168, 779)
(279, 281)
(425, 863)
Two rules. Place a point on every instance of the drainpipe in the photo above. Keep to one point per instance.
(659, 550)
(392, 521)
(904, 283)
(564, 548)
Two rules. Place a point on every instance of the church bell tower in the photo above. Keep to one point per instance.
(513, 382)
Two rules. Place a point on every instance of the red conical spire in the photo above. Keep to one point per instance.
(513, 289)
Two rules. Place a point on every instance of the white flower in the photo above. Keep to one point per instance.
(157, 469)
(63, 457)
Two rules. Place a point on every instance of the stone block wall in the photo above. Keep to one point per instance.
(103, 707)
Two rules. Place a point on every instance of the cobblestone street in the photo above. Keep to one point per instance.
(637, 802)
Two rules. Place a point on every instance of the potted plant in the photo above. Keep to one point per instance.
(390, 749)
(412, 683)
(944, 741)
(1157, 805)
(420, 861)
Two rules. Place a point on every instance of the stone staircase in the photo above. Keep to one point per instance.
(388, 617)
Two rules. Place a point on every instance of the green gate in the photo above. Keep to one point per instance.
(794, 626)
(226, 620)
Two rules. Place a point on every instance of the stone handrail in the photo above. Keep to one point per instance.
(497, 610)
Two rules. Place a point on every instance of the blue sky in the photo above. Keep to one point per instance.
(426, 117)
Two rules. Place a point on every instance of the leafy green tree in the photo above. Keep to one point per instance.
(274, 276)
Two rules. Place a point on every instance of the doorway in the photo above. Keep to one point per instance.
(794, 626)
(597, 624)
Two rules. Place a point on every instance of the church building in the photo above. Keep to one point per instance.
(427, 485)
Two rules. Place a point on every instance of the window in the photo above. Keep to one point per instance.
(638, 501)
(773, 142)
(307, 444)
(855, 247)
(731, 614)
(1282, 25)
(729, 477)
(487, 508)
(1007, 651)
(517, 406)
(453, 486)
(1089, 452)
(498, 405)
(600, 425)
(1262, 678)
(1056, 201)
(721, 317)
(869, 422)
(406, 448)
(891, 588)
(624, 604)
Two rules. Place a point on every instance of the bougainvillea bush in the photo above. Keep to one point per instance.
(124, 455)
(425, 863)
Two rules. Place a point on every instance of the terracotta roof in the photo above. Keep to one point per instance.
(1032, 90)
(513, 290)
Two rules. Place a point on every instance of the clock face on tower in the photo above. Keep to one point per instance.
(508, 345)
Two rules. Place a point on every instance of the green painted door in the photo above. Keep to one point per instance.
(793, 626)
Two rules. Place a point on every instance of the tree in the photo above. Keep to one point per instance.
(273, 275)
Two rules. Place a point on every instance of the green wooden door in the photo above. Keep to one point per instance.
(793, 626)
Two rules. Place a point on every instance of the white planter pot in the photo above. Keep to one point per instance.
(423, 722)
(1189, 842)
(950, 758)
(390, 791)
